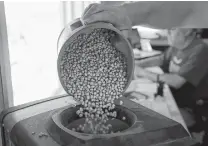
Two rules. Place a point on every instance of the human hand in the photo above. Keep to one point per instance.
(110, 14)
(115, 15)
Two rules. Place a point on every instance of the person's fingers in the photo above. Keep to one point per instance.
(188, 117)
(108, 17)
(93, 9)
(87, 8)
(98, 17)
(90, 8)
(133, 37)
(125, 33)
(102, 13)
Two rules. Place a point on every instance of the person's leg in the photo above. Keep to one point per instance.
(193, 117)
(188, 117)
(199, 124)
(186, 106)
(202, 110)
(205, 138)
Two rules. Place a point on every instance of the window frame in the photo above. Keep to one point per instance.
(6, 90)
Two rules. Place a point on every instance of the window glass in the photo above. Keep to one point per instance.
(33, 29)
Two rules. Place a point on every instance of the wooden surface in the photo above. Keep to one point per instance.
(164, 105)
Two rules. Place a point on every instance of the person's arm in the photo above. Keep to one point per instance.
(150, 62)
(155, 61)
(192, 71)
(167, 14)
(196, 68)
(173, 80)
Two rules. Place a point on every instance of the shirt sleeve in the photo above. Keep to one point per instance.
(196, 66)
(167, 54)
(166, 59)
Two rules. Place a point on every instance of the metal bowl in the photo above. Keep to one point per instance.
(74, 29)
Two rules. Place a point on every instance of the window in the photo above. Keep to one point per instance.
(33, 29)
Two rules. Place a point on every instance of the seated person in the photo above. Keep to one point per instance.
(186, 72)
(185, 67)
(184, 63)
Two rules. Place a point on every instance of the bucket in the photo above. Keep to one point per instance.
(75, 28)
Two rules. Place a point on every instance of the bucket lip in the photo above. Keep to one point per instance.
(85, 136)
(93, 26)
(62, 31)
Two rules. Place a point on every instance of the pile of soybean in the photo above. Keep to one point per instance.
(95, 73)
